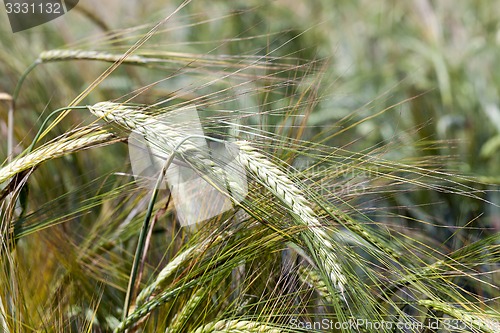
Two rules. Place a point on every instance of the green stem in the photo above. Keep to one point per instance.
(10, 131)
(23, 77)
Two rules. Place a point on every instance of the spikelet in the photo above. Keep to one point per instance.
(462, 317)
(167, 272)
(237, 326)
(51, 151)
(311, 277)
(148, 307)
(168, 138)
(284, 189)
(163, 137)
(187, 310)
(61, 55)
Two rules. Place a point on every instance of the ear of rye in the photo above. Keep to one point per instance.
(164, 136)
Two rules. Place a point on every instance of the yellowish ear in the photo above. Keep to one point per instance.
(195, 198)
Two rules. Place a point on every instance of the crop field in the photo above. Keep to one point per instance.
(250, 166)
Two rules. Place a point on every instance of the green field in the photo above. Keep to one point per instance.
(252, 166)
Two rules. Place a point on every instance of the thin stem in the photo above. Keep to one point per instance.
(39, 133)
(10, 133)
(23, 77)
(142, 237)
(145, 225)
(10, 124)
